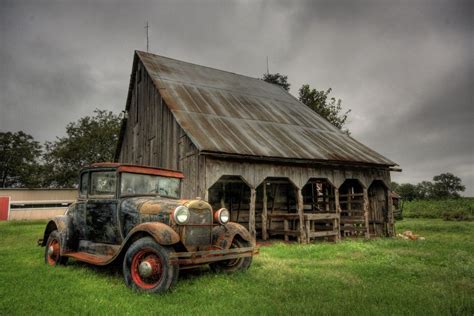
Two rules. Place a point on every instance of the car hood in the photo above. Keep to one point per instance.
(151, 205)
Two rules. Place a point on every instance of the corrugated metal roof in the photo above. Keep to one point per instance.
(227, 113)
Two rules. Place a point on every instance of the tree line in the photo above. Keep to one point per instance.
(24, 162)
(444, 186)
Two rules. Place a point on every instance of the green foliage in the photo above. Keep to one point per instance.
(394, 186)
(329, 108)
(278, 79)
(445, 186)
(407, 191)
(380, 277)
(19, 160)
(448, 209)
(90, 139)
(318, 101)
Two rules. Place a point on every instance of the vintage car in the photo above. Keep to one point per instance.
(134, 215)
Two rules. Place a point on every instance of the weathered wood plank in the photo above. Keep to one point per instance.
(264, 213)
(252, 229)
(323, 233)
(366, 213)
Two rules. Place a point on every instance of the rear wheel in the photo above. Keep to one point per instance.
(147, 267)
(233, 265)
(52, 253)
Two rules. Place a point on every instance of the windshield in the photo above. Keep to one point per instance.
(144, 184)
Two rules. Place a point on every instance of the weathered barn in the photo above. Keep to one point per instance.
(280, 168)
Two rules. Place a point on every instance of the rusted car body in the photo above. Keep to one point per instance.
(133, 214)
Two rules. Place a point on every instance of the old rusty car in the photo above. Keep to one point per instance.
(133, 215)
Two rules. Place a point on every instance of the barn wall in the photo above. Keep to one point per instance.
(254, 173)
(154, 138)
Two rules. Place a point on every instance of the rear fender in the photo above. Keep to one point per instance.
(63, 224)
(223, 235)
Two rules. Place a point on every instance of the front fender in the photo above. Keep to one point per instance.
(223, 235)
(162, 233)
(63, 224)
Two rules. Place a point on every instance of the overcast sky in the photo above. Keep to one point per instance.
(405, 68)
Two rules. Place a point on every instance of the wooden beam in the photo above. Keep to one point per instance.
(338, 212)
(223, 196)
(253, 232)
(391, 218)
(299, 197)
(366, 214)
(264, 213)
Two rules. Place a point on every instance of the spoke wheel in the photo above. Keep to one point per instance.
(52, 253)
(147, 266)
(146, 269)
(233, 265)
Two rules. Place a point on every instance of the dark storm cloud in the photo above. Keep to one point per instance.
(403, 67)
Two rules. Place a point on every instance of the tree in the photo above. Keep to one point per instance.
(407, 191)
(447, 185)
(90, 139)
(329, 108)
(278, 79)
(19, 160)
(424, 190)
(394, 186)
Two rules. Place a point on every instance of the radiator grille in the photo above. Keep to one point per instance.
(199, 228)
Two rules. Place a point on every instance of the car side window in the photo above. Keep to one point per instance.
(84, 184)
(103, 183)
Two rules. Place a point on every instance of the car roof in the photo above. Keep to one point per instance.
(137, 169)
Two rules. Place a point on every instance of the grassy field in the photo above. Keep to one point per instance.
(450, 209)
(385, 276)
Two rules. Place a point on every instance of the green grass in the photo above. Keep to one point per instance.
(450, 209)
(385, 276)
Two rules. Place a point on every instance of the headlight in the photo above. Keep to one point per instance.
(181, 215)
(222, 216)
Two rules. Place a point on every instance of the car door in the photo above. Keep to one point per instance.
(79, 216)
(101, 208)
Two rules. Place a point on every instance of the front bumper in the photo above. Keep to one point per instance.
(202, 257)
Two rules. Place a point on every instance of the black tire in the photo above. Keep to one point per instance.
(163, 275)
(233, 265)
(52, 250)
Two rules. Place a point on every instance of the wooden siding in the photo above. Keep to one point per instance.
(154, 138)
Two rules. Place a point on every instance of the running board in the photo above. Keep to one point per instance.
(91, 258)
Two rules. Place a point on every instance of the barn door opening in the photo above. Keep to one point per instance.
(321, 214)
(351, 199)
(378, 209)
(232, 193)
(276, 209)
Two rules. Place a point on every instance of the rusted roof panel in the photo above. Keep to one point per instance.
(223, 112)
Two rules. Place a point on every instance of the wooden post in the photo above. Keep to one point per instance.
(264, 212)
(338, 212)
(223, 196)
(366, 214)
(253, 232)
(391, 218)
(206, 195)
(299, 197)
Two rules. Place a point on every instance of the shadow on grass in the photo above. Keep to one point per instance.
(114, 270)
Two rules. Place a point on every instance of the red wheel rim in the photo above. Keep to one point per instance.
(53, 252)
(154, 262)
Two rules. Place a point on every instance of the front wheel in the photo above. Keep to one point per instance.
(233, 265)
(147, 267)
(52, 252)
